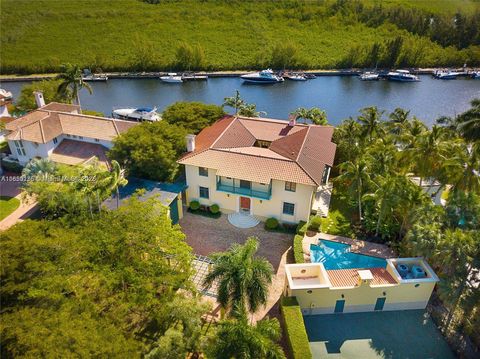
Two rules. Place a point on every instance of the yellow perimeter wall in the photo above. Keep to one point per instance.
(263, 209)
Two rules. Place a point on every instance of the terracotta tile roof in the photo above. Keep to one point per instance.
(350, 278)
(42, 126)
(61, 107)
(250, 167)
(304, 149)
(71, 152)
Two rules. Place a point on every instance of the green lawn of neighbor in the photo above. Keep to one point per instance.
(8, 205)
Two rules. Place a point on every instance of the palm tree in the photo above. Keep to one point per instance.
(236, 338)
(370, 119)
(356, 176)
(243, 279)
(316, 115)
(39, 167)
(235, 102)
(462, 168)
(72, 82)
(398, 121)
(469, 122)
(250, 110)
(115, 180)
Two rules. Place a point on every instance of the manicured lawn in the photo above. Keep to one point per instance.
(339, 215)
(7, 206)
(378, 335)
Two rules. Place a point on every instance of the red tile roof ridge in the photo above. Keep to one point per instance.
(301, 147)
(225, 129)
(232, 150)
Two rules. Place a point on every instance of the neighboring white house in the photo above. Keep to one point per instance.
(431, 187)
(59, 132)
(5, 100)
(261, 167)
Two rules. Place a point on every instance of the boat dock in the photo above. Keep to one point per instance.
(201, 75)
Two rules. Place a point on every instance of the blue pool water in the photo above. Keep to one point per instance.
(336, 255)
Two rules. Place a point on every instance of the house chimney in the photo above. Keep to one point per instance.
(292, 120)
(39, 98)
(190, 143)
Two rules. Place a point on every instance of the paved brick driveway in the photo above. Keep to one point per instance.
(208, 235)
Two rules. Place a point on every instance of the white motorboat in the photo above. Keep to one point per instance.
(137, 114)
(89, 76)
(296, 77)
(369, 76)
(192, 76)
(476, 75)
(172, 77)
(262, 77)
(447, 75)
(402, 76)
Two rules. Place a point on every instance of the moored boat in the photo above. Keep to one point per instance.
(402, 76)
(137, 114)
(295, 76)
(262, 77)
(192, 76)
(89, 76)
(476, 75)
(172, 77)
(369, 76)
(447, 75)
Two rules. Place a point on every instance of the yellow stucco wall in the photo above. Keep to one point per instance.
(363, 298)
(302, 197)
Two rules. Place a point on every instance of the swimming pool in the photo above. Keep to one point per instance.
(336, 255)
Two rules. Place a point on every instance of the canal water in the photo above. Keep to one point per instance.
(341, 97)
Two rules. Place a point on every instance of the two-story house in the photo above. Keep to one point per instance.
(60, 132)
(261, 167)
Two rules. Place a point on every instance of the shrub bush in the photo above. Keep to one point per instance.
(315, 224)
(214, 208)
(294, 328)
(12, 166)
(298, 249)
(302, 228)
(271, 223)
(194, 205)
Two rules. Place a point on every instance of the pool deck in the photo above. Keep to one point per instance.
(357, 246)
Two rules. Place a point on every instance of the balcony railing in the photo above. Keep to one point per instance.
(236, 189)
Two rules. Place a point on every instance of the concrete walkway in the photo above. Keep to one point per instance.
(207, 235)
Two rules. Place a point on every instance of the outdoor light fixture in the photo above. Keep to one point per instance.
(343, 296)
(384, 293)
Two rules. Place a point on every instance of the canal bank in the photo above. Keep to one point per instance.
(213, 74)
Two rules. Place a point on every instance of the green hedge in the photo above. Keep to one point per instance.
(315, 224)
(302, 228)
(298, 249)
(294, 328)
(194, 205)
(214, 208)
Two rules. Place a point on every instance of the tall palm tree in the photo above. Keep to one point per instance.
(235, 102)
(236, 338)
(243, 279)
(398, 121)
(356, 176)
(115, 180)
(316, 115)
(469, 122)
(250, 110)
(462, 169)
(370, 119)
(72, 82)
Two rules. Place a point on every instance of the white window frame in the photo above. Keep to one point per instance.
(200, 192)
(20, 148)
(290, 185)
(200, 169)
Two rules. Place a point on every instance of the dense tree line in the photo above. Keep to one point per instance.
(460, 30)
(377, 158)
